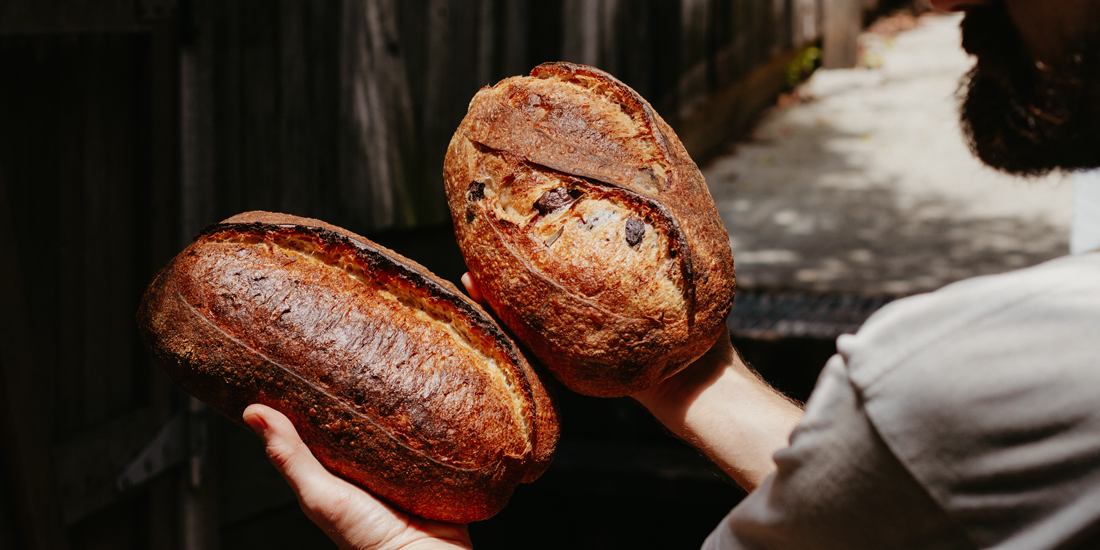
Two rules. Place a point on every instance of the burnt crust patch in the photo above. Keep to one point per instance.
(476, 191)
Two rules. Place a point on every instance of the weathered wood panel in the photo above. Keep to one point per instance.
(342, 109)
(80, 150)
(160, 217)
(9, 532)
(23, 409)
(54, 16)
(377, 146)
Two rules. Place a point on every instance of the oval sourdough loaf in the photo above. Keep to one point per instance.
(394, 379)
(588, 228)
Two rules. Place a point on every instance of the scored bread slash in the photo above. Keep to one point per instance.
(394, 379)
(589, 229)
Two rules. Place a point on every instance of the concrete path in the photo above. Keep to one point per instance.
(868, 187)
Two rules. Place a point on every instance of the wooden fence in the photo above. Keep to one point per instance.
(343, 109)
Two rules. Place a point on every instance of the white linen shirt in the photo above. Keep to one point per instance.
(964, 418)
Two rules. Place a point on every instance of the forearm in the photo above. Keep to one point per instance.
(719, 405)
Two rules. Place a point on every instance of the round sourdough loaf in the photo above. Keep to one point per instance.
(588, 228)
(394, 379)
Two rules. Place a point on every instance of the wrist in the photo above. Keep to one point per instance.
(722, 407)
(669, 400)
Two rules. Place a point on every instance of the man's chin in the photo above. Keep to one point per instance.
(1021, 117)
(1016, 136)
(1012, 134)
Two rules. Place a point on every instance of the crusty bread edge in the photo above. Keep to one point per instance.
(204, 366)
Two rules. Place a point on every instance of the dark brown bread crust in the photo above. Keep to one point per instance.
(589, 229)
(394, 379)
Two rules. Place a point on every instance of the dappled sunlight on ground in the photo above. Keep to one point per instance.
(867, 187)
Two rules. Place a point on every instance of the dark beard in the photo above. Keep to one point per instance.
(1024, 118)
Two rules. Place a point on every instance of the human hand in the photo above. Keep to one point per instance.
(719, 405)
(352, 517)
(665, 399)
(472, 288)
(661, 399)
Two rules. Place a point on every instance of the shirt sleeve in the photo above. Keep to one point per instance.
(837, 486)
(987, 391)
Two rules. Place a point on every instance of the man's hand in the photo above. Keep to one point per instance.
(721, 406)
(349, 515)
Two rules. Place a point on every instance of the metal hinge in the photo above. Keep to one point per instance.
(181, 438)
(97, 468)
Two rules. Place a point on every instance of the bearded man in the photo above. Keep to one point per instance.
(964, 418)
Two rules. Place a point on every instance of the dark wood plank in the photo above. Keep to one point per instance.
(29, 345)
(261, 98)
(545, 28)
(229, 101)
(25, 406)
(666, 28)
(115, 106)
(323, 40)
(733, 109)
(162, 217)
(9, 531)
(415, 19)
(308, 74)
(90, 141)
(486, 42)
(198, 485)
(65, 16)
(113, 528)
(381, 159)
(197, 179)
(188, 496)
(88, 464)
(692, 80)
(293, 142)
(781, 28)
(438, 86)
(113, 95)
(513, 39)
(581, 31)
(364, 183)
(250, 486)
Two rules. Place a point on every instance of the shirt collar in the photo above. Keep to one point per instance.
(1085, 233)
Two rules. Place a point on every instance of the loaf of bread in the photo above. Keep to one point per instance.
(394, 379)
(588, 228)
